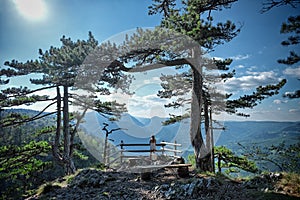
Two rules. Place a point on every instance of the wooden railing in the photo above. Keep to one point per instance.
(164, 149)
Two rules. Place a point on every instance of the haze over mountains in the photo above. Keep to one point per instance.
(139, 130)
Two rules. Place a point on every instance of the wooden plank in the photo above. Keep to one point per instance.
(178, 165)
(138, 157)
(141, 150)
(141, 144)
(169, 143)
(162, 166)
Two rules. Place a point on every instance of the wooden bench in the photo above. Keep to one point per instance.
(146, 170)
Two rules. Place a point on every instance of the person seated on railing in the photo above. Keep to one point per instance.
(152, 146)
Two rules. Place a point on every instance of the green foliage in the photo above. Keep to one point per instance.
(30, 138)
(80, 155)
(292, 95)
(22, 160)
(190, 18)
(226, 159)
(191, 159)
(291, 27)
(269, 4)
(175, 118)
(231, 162)
(21, 167)
(252, 100)
(281, 156)
(60, 67)
(193, 18)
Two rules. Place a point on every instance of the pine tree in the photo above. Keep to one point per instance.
(60, 67)
(292, 27)
(233, 163)
(184, 36)
(195, 21)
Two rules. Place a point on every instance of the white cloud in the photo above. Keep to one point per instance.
(240, 66)
(278, 101)
(252, 73)
(250, 69)
(147, 106)
(294, 110)
(251, 81)
(218, 58)
(292, 71)
(240, 57)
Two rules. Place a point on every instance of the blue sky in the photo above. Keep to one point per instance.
(254, 51)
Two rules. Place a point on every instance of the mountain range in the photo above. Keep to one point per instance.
(139, 130)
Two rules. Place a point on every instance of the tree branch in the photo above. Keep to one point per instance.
(30, 91)
(143, 68)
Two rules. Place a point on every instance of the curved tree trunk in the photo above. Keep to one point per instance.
(201, 152)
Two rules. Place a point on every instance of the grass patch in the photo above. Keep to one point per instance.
(47, 187)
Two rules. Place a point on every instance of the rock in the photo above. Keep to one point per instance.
(170, 193)
(94, 184)
(192, 186)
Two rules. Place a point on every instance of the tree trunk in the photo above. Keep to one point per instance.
(211, 142)
(105, 155)
(219, 163)
(74, 132)
(68, 163)
(55, 146)
(208, 137)
(201, 154)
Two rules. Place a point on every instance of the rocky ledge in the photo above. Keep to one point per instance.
(96, 184)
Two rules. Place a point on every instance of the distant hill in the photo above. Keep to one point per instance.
(260, 132)
(24, 133)
(139, 130)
